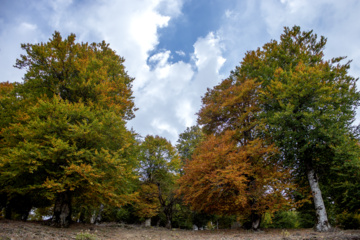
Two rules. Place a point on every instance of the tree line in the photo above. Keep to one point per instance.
(277, 135)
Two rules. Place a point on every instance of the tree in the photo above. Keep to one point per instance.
(77, 72)
(307, 104)
(234, 171)
(147, 203)
(68, 137)
(159, 165)
(188, 141)
(7, 100)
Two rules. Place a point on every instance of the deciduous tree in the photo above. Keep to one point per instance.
(68, 137)
(188, 141)
(234, 171)
(159, 165)
(307, 104)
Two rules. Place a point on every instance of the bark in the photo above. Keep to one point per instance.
(256, 219)
(167, 205)
(8, 211)
(25, 214)
(148, 222)
(322, 224)
(96, 217)
(168, 222)
(81, 218)
(62, 210)
(168, 211)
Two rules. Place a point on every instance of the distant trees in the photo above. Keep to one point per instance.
(188, 142)
(159, 168)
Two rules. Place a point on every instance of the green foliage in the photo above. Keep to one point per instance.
(235, 164)
(85, 236)
(65, 133)
(39, 213)
(159, 161)
(348, 220)
(281, 219)
(188, 141)
(159, 169)
(344, 178)
(183, 217)
(307, 105)
(62, 146)
(76, 72)
(126, 214)
(307, 219)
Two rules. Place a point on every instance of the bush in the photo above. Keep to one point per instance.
(348, 220)
(307, 219)
(85, 236)
(281, 219)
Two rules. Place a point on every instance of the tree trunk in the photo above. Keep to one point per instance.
(168, 214)
(8, 211)
(96, 217)
(25, 214)
(256, 219)
(148, 222)
(168, 222)
(322, 224)
(62, 210)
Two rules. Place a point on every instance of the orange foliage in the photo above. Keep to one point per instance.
(147, 202)
(226, 179)
(234, 170)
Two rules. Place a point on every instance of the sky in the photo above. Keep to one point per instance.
(176, 49)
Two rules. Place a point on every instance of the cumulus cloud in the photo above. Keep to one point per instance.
(171, 96)
(131, 29)
(168, 93)
(336, 20)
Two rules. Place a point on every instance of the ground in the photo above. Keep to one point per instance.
(16, 230)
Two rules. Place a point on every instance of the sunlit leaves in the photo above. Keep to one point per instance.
(65, 130)
(77, 72)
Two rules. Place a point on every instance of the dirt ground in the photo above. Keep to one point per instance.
(16, 230)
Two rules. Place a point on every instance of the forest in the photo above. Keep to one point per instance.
(275, 145)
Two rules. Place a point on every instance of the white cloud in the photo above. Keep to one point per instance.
(186, 113)
(336, 20)
(208, 52)
(168, 93)
(171, 96)
(250, 24)
(180, 53)
(164, 128)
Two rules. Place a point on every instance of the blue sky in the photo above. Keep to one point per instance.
(175, 49)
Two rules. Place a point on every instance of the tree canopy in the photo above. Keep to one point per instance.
(159, 168)
(288, 97)
(234, 171)
(67, 137)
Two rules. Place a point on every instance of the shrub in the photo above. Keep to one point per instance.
(85, 236)
(281, 219)
(348, 220)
